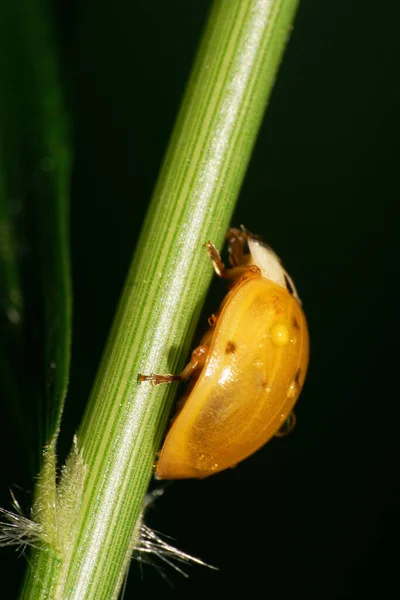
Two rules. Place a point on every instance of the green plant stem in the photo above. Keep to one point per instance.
(165, 287)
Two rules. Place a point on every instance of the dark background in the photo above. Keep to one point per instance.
(315, 513)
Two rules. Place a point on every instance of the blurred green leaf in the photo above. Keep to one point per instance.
(35, 287)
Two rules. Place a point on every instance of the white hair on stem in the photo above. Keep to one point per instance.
(150, 547)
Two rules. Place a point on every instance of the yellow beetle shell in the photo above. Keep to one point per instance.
(252, 377)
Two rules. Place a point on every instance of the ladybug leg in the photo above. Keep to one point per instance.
(196, 363)
(216, 260)
(237, 240)
(287, 426)
(157, 379)
(222, 271)
(212, 320)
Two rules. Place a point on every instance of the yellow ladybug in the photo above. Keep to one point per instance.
(247, 372)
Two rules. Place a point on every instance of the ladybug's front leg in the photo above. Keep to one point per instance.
(195, 365)
(233, 272)
(237, 242)
(237, 247)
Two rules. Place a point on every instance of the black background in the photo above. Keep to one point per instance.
(315, 513)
